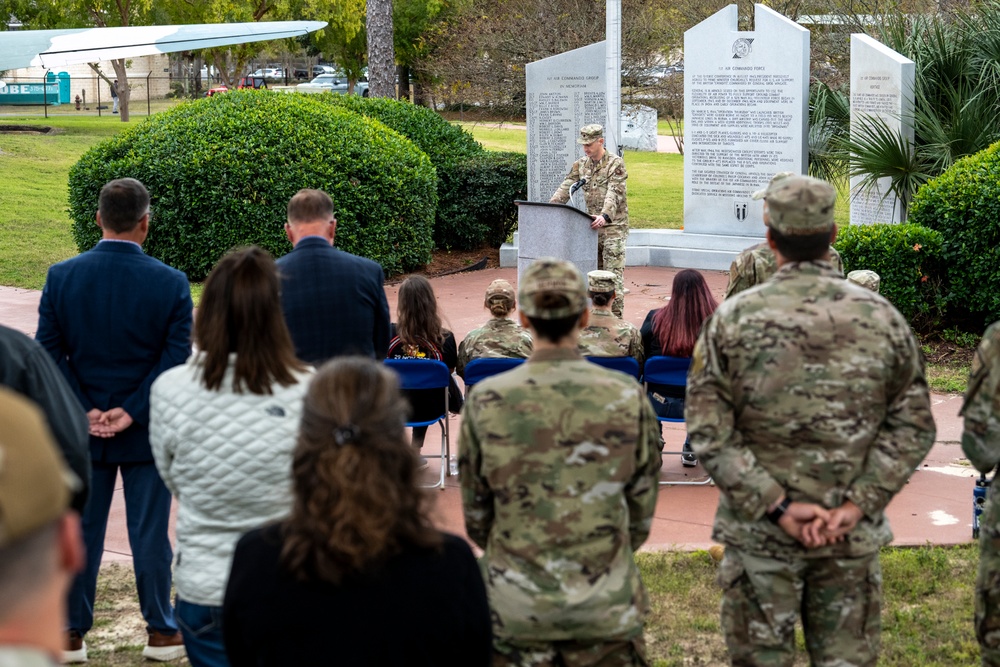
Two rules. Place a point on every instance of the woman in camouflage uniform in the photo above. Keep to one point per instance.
(500, 336)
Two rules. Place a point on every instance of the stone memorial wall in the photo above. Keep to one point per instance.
(564, 93)
(881, 87)
(746, 97)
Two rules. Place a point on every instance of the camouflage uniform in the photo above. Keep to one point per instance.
(499, 337)
(981, 443)
(604, 192)
(610, 336)
(559, 467)
(813, 388)
(757, 263)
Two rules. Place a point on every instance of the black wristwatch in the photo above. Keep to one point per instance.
(607, 218)
(775, 515)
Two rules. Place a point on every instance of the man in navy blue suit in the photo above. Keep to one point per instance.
(334, 302)
(113, 319)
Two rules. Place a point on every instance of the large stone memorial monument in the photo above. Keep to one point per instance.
(881, 87)
(746, 97)
(565, 92)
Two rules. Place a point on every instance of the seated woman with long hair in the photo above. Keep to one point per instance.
(222, 428)
(671, 331)
(418, 333)
(356, 575)
(500, 336)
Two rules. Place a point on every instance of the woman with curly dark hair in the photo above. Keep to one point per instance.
(346, 576)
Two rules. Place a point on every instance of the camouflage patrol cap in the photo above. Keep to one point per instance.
(35, 485)
(590, 133)
(865, 278)
(798, 205)
(500, 288)
(601, 281)
(549, 275)
(777, 178)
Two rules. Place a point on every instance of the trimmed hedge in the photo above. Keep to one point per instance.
(476, 187)
(906, 257)
(964, 205)
(476, 199)
(221, 170)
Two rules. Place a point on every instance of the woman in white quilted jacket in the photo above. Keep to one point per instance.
(223, 428)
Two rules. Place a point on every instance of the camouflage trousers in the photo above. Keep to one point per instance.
(838, 599)
(620, 653)
(611, 257)
(988, 586)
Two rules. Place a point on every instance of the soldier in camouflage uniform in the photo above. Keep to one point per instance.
(757, 263)
(500, 336)
(865, 278)
(604, 191)
(806, 402)
(981, 443)
(559, 467)
(607, 335)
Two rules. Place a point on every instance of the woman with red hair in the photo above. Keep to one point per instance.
(671, 331)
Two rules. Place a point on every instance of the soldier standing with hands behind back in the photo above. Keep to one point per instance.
(603, 176)
(807, 403)
(981, 443)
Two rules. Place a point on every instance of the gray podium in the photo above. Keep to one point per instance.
(555, 230)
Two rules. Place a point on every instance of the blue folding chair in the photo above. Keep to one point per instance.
(627, 365)
(484, 367)
(670, 371)
(428, 374)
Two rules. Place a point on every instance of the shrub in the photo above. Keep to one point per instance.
(476, 188)
(476, 199)
(906, 257)
(221, 170)
(964, 205)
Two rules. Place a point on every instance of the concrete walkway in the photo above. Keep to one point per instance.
(935, 507)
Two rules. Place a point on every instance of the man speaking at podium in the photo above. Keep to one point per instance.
(601, 176)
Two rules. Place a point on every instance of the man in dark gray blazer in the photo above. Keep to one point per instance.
(334, 302)
(113, 319)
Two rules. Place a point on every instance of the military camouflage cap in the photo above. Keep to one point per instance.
(865, 278)
(798, 205)
(500, 288)
(549, 275)
(777, 178)
(35, 485)
(590, 133)
(601, 281)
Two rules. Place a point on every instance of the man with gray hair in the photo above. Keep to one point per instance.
(807, 404)
(40, 547)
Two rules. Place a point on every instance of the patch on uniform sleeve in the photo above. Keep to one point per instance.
(697, 358)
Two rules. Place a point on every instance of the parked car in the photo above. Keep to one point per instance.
(215, 90)
(335, 83)
(317, 70)
(252, 81)
(270, 73)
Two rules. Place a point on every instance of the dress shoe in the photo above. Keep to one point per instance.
(75, 649)
(162, 647)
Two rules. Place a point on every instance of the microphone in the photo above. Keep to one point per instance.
(576, 186)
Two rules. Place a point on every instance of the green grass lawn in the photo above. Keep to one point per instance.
(926, 612)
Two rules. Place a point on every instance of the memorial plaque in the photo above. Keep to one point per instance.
(564, 93)
(555, 230)
(881, 87)
(639, 127)
(746, 115)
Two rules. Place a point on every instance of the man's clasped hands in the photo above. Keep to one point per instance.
(816, 526)
(108, 423)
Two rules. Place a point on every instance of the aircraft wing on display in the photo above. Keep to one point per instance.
(58, 48)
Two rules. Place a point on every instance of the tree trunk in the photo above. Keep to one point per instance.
(123, 88)
(381, 57)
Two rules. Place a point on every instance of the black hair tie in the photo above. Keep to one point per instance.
(344, 435)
